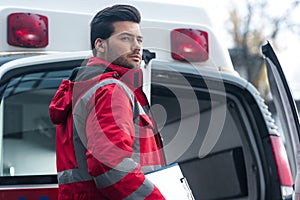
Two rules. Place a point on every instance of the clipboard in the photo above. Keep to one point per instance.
(171, 182)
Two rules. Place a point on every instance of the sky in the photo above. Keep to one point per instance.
(288, 43)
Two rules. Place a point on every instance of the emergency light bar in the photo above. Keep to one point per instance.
(27, 30)
(189, 45)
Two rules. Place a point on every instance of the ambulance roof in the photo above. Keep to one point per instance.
(68, 26)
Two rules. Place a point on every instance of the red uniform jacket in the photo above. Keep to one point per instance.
(106, 139)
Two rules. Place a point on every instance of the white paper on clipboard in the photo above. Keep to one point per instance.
(171, 183)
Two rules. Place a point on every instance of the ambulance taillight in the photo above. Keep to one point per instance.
(27, 30)
(283, 166)
(189, 45)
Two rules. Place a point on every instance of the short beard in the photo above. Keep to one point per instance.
(123, 63)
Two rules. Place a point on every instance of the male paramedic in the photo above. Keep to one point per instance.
(106, 137)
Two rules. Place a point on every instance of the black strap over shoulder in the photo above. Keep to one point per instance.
(82, 73)
(74, 74)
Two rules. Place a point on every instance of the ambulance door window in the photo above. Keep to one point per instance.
(28, 134)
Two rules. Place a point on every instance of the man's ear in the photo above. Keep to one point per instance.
(100, 45)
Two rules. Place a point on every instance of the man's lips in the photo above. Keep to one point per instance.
(136, 57)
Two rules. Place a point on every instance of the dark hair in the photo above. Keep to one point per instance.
(102, 23)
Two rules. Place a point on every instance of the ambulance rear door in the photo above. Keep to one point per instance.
(287, 114)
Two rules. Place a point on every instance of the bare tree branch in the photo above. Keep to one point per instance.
(249, 33)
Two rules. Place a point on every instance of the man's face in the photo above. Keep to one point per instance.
(124, 46)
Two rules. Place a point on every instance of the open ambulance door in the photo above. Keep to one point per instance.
(286, 110)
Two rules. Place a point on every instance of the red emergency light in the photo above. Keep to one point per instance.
(27, 30)
(189, 45)
(282, 163)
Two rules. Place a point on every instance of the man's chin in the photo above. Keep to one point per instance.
(130, 66)
(135, 67)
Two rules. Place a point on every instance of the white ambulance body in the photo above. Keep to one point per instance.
(199, 98)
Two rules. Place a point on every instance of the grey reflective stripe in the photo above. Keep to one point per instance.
(136, 144)
(116, 174)
(142, 192)
(116, 81)
(146, 169)
(72, 176)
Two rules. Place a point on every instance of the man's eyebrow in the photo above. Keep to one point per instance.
(131, 35)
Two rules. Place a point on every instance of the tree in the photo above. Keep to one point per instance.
(250, 27)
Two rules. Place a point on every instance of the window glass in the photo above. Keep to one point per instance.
(28, 137)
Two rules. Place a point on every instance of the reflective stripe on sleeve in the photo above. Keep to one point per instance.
(72, 176)
(142, 192)
(151, 168)
(116, 174)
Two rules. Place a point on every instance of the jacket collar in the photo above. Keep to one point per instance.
(132, 77)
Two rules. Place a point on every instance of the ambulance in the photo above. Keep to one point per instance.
(214, 123)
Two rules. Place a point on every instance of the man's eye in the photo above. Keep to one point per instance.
(125, 38)
(140, 40)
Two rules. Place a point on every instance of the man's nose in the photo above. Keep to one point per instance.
(137, 46)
